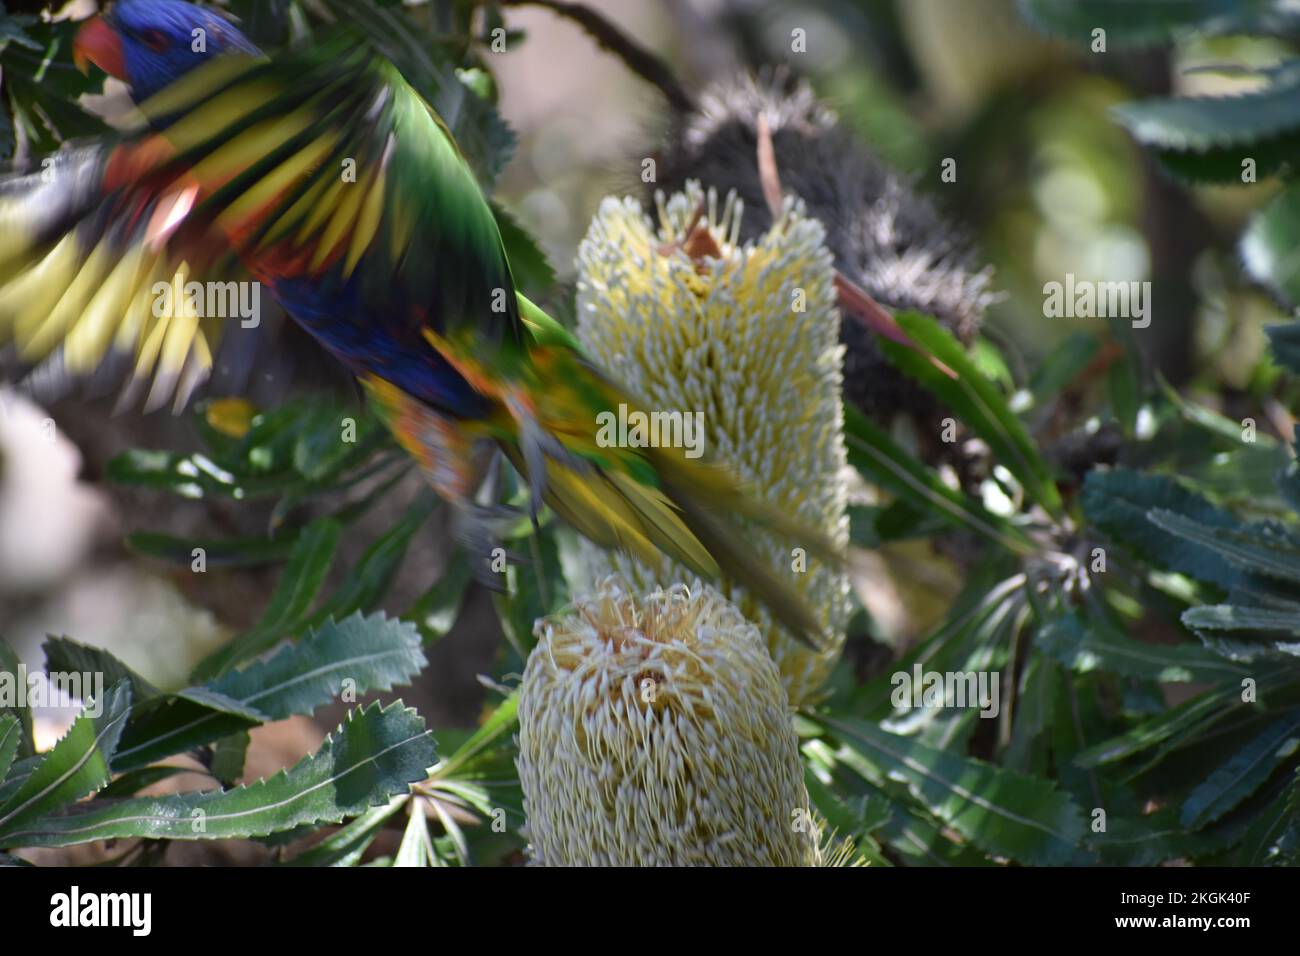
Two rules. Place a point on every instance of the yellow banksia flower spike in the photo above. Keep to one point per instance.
(653, 730)
(749, 337)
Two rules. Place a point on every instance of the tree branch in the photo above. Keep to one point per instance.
(638, 59)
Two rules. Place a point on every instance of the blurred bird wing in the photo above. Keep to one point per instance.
(318, 165)
(328, 163)
(91, 270)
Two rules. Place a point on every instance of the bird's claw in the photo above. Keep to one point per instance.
(480, 529)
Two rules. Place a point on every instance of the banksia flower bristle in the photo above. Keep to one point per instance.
(654, 731)
(748, 336)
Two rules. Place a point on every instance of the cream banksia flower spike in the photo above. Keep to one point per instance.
(654, 731)
(749, 338)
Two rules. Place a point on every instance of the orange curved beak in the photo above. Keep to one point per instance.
(97, 43)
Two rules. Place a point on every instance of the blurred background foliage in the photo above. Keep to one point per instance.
(1124, 680)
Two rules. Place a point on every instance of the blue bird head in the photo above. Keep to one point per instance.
(148, 44)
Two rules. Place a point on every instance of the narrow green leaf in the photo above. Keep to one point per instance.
(77, 765)
(369, 580)
(493, 729)
(877, 456)
(11, 667)
(978, 402)
(133, 781)
(243, 552)
(1063, 364)
(1175, 724)
(1273, 839)
(346, 846)
(533, 590)
(303, 575)
(11, 734)
(416, 848)
(1150, 840)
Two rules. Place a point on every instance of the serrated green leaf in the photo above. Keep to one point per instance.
(176, 724)
(1230, 617)
(1002, 812)
(74, 767)
(66, 655)
(1118, 502)
(1241, 774)
(1270, 246)
(1284, 339)
(1130, 23)
(1198, 124)
(360, 654)
(374, 755)
(1087, 646)
(1266, 549)
(1273, 839)
(855, 816)
(529, 266)
(1177, 723)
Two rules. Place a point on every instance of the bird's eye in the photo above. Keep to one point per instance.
(155, 40)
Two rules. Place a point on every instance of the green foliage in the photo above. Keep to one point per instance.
(1143, 625)
(1243, 138)
(373, 756)
(1138, 23)
(41, 86)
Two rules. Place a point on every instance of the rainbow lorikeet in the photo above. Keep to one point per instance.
(399, 272)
